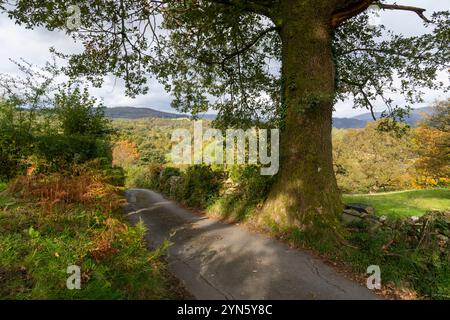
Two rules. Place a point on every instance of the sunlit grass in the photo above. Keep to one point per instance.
(404, 203)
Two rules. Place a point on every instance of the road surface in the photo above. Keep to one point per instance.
(217, 260)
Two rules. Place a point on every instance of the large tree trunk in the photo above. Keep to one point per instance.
(306, 193)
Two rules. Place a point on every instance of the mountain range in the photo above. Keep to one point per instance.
(358, 121)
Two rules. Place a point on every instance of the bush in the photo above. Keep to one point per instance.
(85, 227)
(60, 152)
(9, 165)
(16, 138)
(115, 176)
(201, 185)
(165, 176)
(80, 114)
(148, 177)
(73, 130)
(84, 185)
(151, 154)
(252, 185)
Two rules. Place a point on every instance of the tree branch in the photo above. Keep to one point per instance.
(360, 88)
(352, 8)
(418, 11)
(249, 45)
(349, 10)
(229, 55)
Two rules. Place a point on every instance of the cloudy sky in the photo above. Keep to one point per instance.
(32, 45)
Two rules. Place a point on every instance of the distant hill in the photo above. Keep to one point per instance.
(138, 113)
(415, 115)
(346, 123)
(358, 121)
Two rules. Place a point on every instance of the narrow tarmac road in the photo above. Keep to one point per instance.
(216, 260)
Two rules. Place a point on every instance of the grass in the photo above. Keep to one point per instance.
(404, 203)
(416, 266)
(46, 229)
(231, 208)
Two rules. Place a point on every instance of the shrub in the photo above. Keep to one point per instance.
(16, 138)
(80, 114)
(10, 166)
(86, 229)
(165, 176)
(74, 130)
(60, 152)
(252, 185)
(115, 176)
(83, 185)
(201, 185)
(148, 177)
(151, 154)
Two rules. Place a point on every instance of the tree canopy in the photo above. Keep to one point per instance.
(226, 55)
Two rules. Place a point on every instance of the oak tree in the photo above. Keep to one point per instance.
(267, 61)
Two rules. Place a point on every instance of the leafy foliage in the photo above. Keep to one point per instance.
(74, 131)
(56, 152)
(77, 221)
(147, 177)
(227, 54)
(433, 147)
(16, 138)
(125, 153)
(79, 114)
(252, 186)
(201, 185)
(371, 61)
(372, 160)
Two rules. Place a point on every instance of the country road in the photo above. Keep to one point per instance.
(216, 260)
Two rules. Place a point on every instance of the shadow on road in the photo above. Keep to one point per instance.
(216, 260)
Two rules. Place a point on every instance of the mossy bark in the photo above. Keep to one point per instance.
(306, 193)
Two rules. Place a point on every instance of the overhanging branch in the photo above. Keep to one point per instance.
(250, 44)
(418, 11)
(239, 51)
(351, 9)
(355, 7)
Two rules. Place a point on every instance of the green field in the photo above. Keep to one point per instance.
(404, 203)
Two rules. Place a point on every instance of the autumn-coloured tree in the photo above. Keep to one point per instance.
(432, 139)
(371, 160)
(125, 153)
